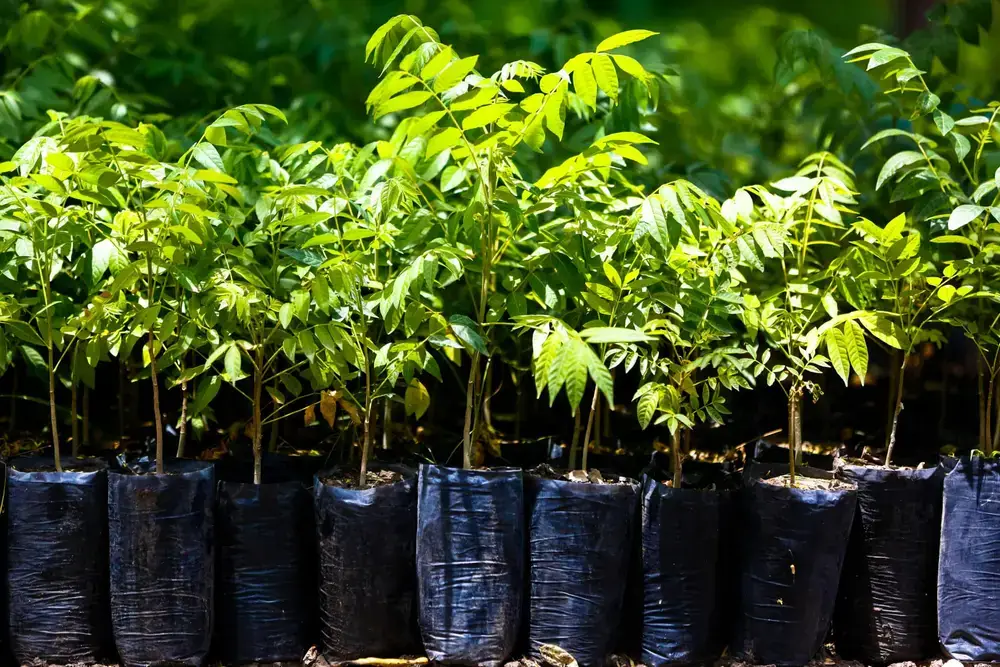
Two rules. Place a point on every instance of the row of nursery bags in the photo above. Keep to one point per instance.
(473, 567)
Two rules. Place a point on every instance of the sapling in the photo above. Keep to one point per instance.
(474, 124)
(907, 296)
(796, 295)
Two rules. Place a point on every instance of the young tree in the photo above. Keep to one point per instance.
(474, 124)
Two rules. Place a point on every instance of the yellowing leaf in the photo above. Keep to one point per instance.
(486, 115)
(606, 75)
(402, 102)
(585, 85)
(454, 73)
(416, 400)
(623, 38)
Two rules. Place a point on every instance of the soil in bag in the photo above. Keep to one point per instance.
(969, 566)
(162, 563)
(580, 543)
(57, 555)
(680, 551)
(367, 547)
(793, 551)
(470, 563)
(266, 583)
(886, 607)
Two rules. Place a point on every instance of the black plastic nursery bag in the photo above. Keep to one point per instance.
(680, 550)
(580, 539)
(266, 596)
(162, 564)
(368, 583)
(886, 608)
(470, 563)
(57, 561)
(969, 568)
(793, 552)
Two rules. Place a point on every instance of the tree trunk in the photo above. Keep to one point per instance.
(386, 422)
(991, 383)
(983, 405)
(470, 401)
(157, 416)
(182, 427)
(258, 427)
(793, 408)
(74, 400)
(52, 401)
(590, 424)
(797, 427)
(86, 416)
(598, 418)
(996, 425)
(121, 400)
(895, 413)
(675, 447)
(574, 447)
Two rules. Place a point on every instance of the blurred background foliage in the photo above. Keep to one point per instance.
(745, 89)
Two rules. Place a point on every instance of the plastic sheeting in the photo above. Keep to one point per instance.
(579, 537)
(680, 549)
(886, 607)
(470, 563)
(57, 556)
(368, 586)
(794, 547)
(162, 564)
(266, 596)
(968, 592)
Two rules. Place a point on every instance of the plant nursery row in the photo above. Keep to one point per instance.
(475, 567)
(513, 228)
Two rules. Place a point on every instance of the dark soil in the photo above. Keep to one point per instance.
(808, 483)
(592, 476)
(348, 479)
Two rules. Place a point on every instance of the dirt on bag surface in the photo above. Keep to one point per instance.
(808, 483)
(592, 476)
(349, 479)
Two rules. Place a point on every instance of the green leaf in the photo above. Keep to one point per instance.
(646, 408)
(409, 100)
(574, 369)
(417, 399)
(836, 349)
(468, 332)
(605, 74)
(963, 215)
(623, 38)
(886, 330)
(895, 163)
(517, 305)
(585, 85)
(232, 362)
(306, 219)
(454, 73)
(603, 335)
(483, 116)
(207, 156)
(857, 348)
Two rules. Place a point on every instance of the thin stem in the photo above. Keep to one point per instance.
(74, 400)
(675, 448)
(182, 427)
(258, 426)
(895, 413)
(157, 417)
(574, 447)
(590, 424)
(792, 418)
(86, 416)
